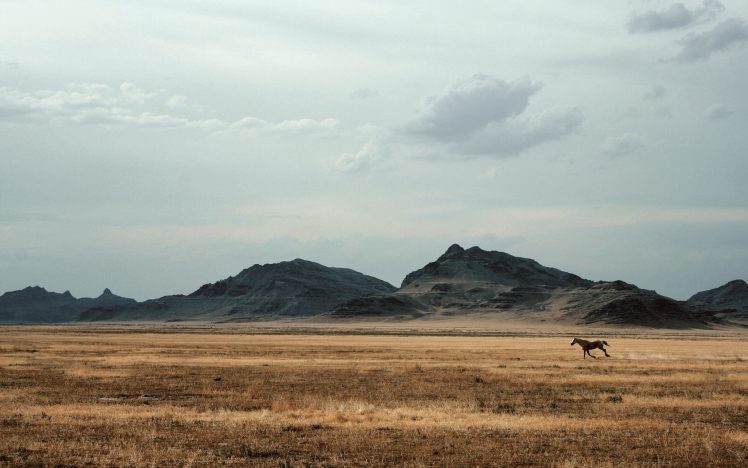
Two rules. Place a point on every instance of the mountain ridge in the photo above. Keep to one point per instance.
(460, 282)
(474, 281)
(34, 304)
(294, 288)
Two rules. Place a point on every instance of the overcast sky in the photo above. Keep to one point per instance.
(153, 146)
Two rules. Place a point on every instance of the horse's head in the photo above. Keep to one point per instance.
(573, 341)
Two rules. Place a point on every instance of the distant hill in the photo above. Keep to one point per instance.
(730, 300)
(286, 289)
(35, 304)
(470, 282)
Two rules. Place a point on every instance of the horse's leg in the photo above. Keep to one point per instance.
(590, 354)
(606, 353)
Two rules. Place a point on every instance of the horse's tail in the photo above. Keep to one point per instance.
(605, 343)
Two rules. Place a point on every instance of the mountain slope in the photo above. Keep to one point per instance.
(286, 289)
(730, 299)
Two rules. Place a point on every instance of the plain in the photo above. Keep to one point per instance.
(84, 395)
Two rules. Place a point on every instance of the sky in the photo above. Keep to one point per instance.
(154, 146)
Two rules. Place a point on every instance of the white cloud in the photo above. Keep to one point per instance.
(86, 104)
(99, 104)
(176, 101)
(371, 155)
(75, 95)
(135, 94)
(254, 126)
(301, 125)
(623, 145)
(249, 124)
(723, 36)
(676, 16)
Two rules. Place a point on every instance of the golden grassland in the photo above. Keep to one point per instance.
(104, 396)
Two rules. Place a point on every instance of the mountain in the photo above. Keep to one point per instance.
(475, 282)
(620, 303)
(35, 304)
(730, 300)
(458, 265)
(286, 289)
(466, 283)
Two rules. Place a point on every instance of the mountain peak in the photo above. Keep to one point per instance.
(478, 265)
(107, 292)
(454, 248)
(294, 287)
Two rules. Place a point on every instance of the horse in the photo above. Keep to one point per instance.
(588, 345)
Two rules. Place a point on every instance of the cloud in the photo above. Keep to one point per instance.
(301, 125)
(717, 112)
(486, 116)
(135, 94)
(701, 46)
(622, 145)
(83, 103)
(481, 116)
(99, 104)
(674, 17)
(372, 154)
(657, 92)
(509, 137)
(176, 101)
(73, 96)
(13, 104)
(253, 125)
(471, 105)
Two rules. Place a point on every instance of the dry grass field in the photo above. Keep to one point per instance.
(75, 396)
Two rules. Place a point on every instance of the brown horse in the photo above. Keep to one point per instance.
(588, 345)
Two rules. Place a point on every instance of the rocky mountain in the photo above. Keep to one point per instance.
(458, 265)
(474, 282)
(286, 289)
(37, 305)
(620, 303)
(730, 300)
